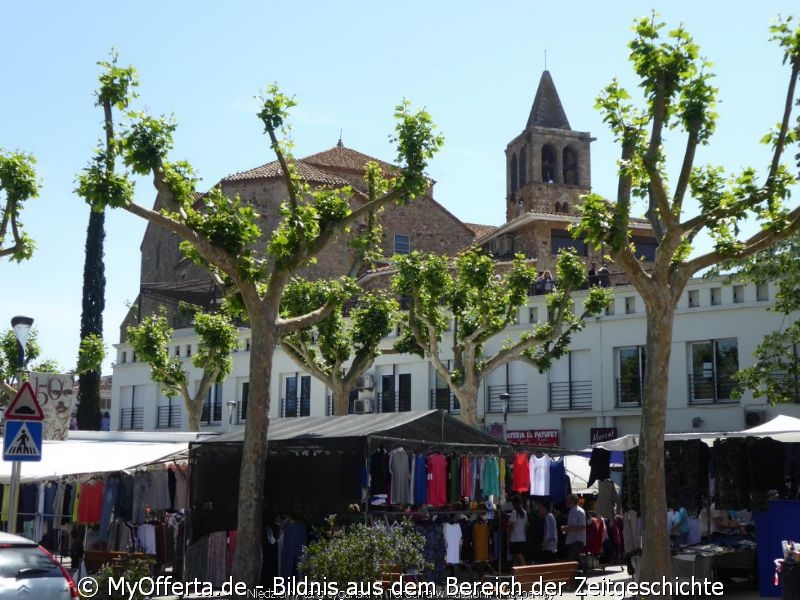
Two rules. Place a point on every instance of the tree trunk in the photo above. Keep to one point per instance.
(247, 558)
(467, 394)
(194, 410)
(655, 562)
(341, 397)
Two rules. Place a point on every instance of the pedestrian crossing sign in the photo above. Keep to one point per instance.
(22, 441)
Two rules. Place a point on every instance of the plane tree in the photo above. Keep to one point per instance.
(340, 348)
(252, 266)
(151, 340)
(678, 98)
(18, 183)
(482, 300)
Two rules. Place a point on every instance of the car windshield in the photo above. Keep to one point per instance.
(23, 562)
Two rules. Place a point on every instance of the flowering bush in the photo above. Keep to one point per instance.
(362, 553)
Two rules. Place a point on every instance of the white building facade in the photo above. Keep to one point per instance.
(598, 385)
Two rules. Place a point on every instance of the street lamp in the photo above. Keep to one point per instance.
(505, 398)
(22, 328)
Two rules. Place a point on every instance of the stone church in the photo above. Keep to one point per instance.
(548, 170)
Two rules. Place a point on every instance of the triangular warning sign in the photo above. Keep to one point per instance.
(25, 407)
(23, 444)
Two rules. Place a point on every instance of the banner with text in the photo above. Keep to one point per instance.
(534, 437)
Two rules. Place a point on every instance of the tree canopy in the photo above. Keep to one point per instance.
(482, 300)
(253, 267)
(19, 183)
(678, 96)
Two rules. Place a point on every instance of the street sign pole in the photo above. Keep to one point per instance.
(22, 441)
(13, 500)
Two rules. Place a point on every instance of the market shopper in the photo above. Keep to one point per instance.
(575, 529)
(549, 549)
(517, 532)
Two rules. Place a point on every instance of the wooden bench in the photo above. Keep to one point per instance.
(558, 572)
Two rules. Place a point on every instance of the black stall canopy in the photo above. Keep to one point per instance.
(316, 465)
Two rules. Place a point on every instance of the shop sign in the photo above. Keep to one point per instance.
(534, 437)
(602, 434)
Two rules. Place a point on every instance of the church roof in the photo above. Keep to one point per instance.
(341, 157)
(547, 110)
(273, 170)
(480, 230)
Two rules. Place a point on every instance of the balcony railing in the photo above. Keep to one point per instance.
(571, 395)
(212, 414)
(629, 391)
(168, 416)
(444, 399)
(714, 389)
(392, 402)
(131, 418)
(295, 407)
(518, 403)
(241, 410)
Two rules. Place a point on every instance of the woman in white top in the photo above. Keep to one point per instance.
(517, 532)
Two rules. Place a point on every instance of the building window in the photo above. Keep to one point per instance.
(513, 168)
(395, 394)
(533, 314)
(694, 298)
(123, 357)
(442, 397)
(523, 167)
(570, 158)
(402, 244)
(243, 398)
(716, 296)
(762, 292)
(212, 407)
(570, 383)
(630, 305)
(738, 294)
(563, 239)
(178, 351)
(169, 412)
(131, 408)
(610, 309)
(630, 375)
(247, 345)
(188, 350)
(712, 364)
(548, 163)
(297, 399)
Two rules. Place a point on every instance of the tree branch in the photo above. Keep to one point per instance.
(760, 241)
(683, 178)
(285, 326)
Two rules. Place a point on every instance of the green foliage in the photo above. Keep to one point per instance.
(776, 370)
(417, 142)
(19, 182)
(362, 553)
(150, 341)
(218, 339)
(91, 354)
(101, 188)
(146, 142)
(8, 353)
(358, 320)
(47, 365)
(130, 569)
(116, 83)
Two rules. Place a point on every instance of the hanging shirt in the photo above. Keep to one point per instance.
(480, 540)
(420, 480)
(452, 542)
(466, 476)
(539, 467)
(521, 477)
(490, 483)
(558, 484)
(90, 502)
(399, 470)
(437, 480)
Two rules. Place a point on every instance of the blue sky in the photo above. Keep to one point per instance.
(475, 66)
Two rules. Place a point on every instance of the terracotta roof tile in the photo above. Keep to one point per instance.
(273, 170)
(480, 230)
(341, 157)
